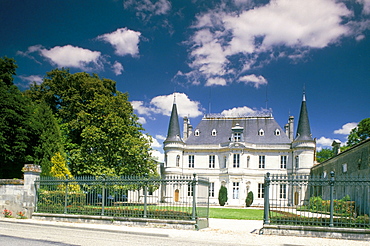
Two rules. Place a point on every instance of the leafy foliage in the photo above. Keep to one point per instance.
(359, 133)
(101, 134)
(249, 199)
(15, 128)
(324, 154)
(222, 196)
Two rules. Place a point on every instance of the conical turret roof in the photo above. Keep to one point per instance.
(304, 130)
(174, 126)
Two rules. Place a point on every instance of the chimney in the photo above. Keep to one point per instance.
(186, 128)
(336, 147)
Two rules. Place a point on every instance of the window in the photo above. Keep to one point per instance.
(261, 162)
(248, 160)
(237, 136)
(197, 132)
(283, 191)
(261, 132)
(261, 190)
(212, 161)
(214, 132)
(225, 161)
(177, 161)
(190, 190)
(277, 132)
(236, 160)
(297, 162)
(211, 189)
(344, 168)
(235, 190)
(283, 159)
(191, 161)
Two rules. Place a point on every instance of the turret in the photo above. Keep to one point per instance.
(303, 144)
(173, 145)
(304, 130)
(173, 133)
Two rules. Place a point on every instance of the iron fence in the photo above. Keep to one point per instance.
(176, 197)
(342, 201)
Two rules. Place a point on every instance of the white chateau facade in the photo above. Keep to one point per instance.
(237, 152)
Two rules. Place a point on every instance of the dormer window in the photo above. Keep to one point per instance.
(197, 133)
(214, 132)
(261, 132)
(277, 132)
(237, 136)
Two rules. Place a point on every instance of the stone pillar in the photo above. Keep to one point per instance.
(31, 173)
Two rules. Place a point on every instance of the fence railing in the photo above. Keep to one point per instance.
(177, 197)
(342, 201)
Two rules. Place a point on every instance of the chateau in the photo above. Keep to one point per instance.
(237, 151)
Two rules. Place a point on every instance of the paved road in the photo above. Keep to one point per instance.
(221, 232)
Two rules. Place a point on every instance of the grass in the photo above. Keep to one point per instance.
(236, 213)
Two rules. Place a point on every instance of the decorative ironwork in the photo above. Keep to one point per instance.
(176, 197)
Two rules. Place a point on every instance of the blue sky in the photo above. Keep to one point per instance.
(218, 56)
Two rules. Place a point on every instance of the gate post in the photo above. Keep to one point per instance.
(331, 183)
(266, 206)
(194, 182)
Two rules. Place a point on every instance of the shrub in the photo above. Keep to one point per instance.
(222, 196)
(249, 199)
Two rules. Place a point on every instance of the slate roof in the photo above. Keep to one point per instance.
(303, 130)
(173, 133)
(251, 125)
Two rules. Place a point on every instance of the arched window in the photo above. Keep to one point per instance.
(261, 132)
(214, 132)
(277, 132)
(177, 161)
(197, 133)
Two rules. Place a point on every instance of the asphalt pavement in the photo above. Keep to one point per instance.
(232, 232)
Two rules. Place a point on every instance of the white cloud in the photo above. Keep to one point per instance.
(157, 155)
(365, 6)
(124, 41)
(142, 120)
(185, 107)
(32, 78)
(216, 81)
(117, 68)
(346, 128)
(156, 144)
(324, 142)
(140, 108)
(256, 81)
(71, 56)
(146, 8)
(163, 105)
(227, 44)
(160, 137)
(238, 111)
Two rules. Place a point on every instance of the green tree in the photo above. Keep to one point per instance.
(47, 137)
(359, 133)
(15, 127)
(101, 133)
(222, 196)
(249, 199)
(324, 154)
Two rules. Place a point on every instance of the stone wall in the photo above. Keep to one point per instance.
(19, 195)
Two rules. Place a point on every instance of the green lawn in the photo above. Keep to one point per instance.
(236, 213)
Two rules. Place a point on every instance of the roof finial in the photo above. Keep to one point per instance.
(304, 92)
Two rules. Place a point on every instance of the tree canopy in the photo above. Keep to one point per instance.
(101, 132)
(29, 132)
(359, 133)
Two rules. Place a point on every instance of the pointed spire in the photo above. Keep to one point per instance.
(174, 126)
(304, 130)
